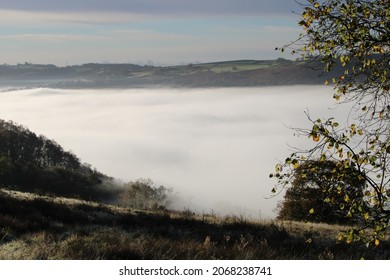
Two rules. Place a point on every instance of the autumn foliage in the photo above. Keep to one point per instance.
(354, 35)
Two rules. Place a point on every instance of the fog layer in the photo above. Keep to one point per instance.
(214, 147)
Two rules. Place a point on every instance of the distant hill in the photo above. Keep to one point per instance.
(241, 73)
(36, 164)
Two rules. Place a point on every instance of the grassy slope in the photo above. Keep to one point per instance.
(239, 65)
(38, 227)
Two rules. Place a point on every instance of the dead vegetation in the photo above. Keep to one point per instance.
(41, 227)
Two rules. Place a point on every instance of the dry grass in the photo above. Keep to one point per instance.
(37, 227)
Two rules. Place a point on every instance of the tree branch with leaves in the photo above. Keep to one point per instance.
(354, 36)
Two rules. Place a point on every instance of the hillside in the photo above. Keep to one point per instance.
(242, 73)
(40, 227)
(29, 162)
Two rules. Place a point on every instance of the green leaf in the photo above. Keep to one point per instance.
(378, 228)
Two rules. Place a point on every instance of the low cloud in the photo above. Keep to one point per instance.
(54, 38)
(213, 146)
(20, 17)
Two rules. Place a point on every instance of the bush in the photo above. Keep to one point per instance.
(142, 194)
(312, 196)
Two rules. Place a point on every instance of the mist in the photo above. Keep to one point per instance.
(214, 147)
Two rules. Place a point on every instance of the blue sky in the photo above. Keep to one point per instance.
(144, 31)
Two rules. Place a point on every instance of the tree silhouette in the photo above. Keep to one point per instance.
(318, 194)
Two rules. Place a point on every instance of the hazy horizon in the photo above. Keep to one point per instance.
(214, 147)
(140, 63)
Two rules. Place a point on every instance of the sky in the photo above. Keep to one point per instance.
(159, 32)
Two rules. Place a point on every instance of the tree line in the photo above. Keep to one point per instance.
(35, 163)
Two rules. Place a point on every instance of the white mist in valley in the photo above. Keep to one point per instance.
(214, 147)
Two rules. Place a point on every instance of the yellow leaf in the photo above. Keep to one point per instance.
(316, 138)
(316, 5)
(311, 211)
(366, 216)
(377, 242)
(346, 198)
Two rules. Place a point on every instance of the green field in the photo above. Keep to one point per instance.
(238, 66)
